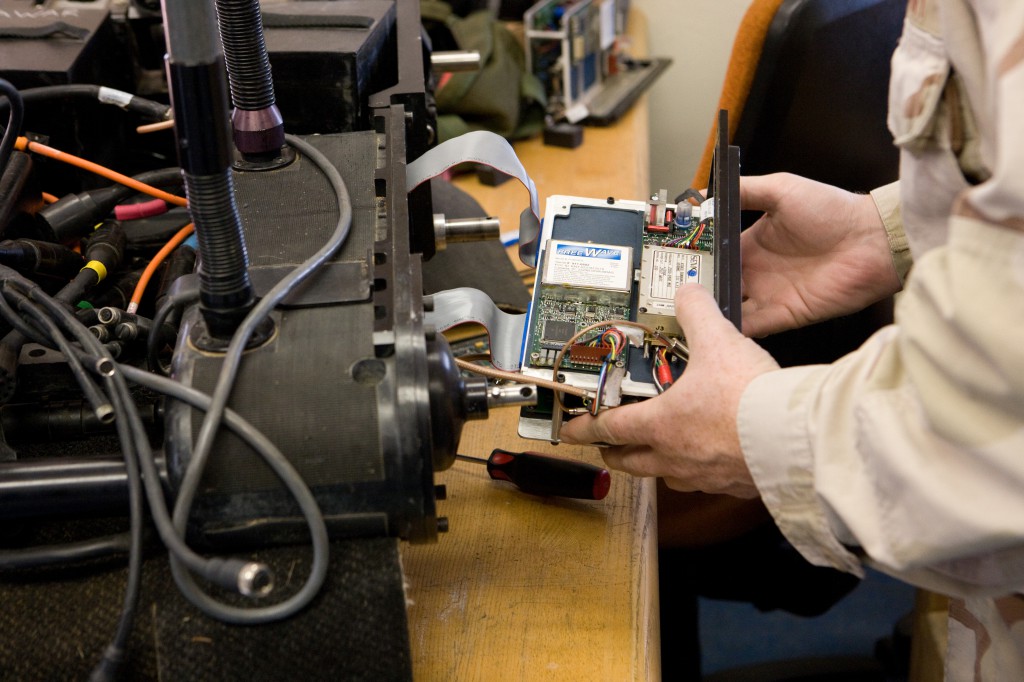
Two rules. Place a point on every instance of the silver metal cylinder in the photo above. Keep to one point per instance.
(509, 395)
(455, 60)
(464, 230)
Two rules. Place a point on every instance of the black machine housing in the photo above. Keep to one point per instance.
(361, 396)
(356, 391)
(350, 385)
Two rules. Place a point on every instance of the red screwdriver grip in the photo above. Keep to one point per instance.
(539, 474)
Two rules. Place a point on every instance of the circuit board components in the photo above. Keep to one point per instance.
(603, 312)
(603, 320)
(663, 269)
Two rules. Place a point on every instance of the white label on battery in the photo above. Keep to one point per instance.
(672, 269)
(591, 266)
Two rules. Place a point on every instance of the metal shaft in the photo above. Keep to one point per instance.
(464, 230)
(450, 61)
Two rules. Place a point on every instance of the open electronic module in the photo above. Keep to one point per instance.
(603, 313)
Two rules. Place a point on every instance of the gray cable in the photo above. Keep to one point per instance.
(100, 404)
(36, 303)
(291, 479)
(137, 433)
(233, 355)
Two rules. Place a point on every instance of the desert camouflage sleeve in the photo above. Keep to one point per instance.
(910, 451)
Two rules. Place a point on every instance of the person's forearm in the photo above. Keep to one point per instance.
(909, 449)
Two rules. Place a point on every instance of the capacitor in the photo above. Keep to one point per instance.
(684, 214)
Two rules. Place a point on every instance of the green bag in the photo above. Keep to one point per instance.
(502, 96)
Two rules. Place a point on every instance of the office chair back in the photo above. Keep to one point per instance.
(807, 89)
(817, 104)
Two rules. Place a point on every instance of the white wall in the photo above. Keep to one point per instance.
(698, 36)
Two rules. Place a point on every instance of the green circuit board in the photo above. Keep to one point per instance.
(560, 320)
(706, 241)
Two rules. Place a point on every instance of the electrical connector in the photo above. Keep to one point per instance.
(32, 257)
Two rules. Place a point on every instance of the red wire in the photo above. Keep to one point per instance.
(145, 209)
(700, 231)
(664, 370)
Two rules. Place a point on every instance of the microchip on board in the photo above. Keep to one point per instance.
(558, 331)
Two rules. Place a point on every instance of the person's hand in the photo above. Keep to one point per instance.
(687, 435)
(817, 252)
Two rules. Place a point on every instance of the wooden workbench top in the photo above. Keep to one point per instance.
(528, 588)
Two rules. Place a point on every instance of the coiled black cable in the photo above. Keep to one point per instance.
(245, 53)
(14, 121)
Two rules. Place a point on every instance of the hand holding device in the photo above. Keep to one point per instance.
(688, 434)
(817, 252)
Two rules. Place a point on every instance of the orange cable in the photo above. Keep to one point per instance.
(147, 274)
(23, 143)
(49, 198)
(155, 127)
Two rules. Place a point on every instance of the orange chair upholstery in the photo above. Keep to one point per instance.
(743, 61)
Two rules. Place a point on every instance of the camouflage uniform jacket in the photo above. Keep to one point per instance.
(909, 453)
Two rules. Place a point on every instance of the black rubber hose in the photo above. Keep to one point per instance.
(48, 93)
(245, 54)
(52, 555)
(14, 120)
(199, 95)
(226, 291)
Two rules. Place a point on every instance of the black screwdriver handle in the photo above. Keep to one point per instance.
(539, 474)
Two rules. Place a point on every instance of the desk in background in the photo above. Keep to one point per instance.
(528, 588)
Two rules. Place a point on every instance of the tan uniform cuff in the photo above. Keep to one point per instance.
(887, 201)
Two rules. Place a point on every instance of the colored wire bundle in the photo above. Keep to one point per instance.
(661, 370)
(615, 340)
(520, 378)
(689, 241)
(575, 340)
